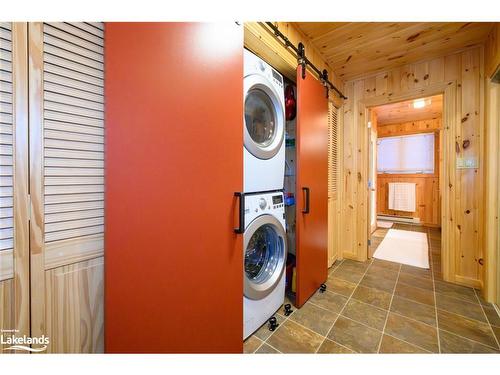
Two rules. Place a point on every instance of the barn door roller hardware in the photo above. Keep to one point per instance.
(303, 61)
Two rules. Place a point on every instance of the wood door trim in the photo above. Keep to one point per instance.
(21, 208)
(37, 230)
(447, 163)
(492, 194)
(73, 250)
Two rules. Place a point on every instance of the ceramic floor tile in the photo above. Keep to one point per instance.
(386, 264)
(355, 335)
(492, 315)
(340, 286)
(291, 337)
(266, 349)
(415, 294)
(460, 307)
(378, 282)
(451, 343)
(416, 271)
(392, 345)
(355, 265)
(438, 276)
(334, 266)
(366, 314)
(315, 318)
(411, 322)
(496, 331)
(386, 273)
(263, 332)
(331, 347)
(372, 296)
(251, 344)
(348, 275)
(456, 291)
(468, 328)
(417, 282)
(418, 311)
(413, 332)
(482, 301)
(328, 300)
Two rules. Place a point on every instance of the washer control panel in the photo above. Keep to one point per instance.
(264, 203)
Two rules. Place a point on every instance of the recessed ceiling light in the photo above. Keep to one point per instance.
(419, 103)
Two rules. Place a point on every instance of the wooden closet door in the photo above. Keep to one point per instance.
(14, 217)
(66, 109)
(174, 142)
(312, 186)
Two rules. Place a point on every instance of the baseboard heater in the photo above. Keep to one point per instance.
(400, 219)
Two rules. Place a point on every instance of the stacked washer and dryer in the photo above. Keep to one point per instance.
(264, 237)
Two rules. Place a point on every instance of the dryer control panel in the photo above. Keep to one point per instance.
(255, 65)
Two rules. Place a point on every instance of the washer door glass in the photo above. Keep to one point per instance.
(260, 117)
(264, 256)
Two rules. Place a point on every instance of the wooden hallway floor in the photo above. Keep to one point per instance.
(385, 307)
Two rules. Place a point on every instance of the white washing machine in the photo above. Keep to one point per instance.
(264, 119)
(264, 254)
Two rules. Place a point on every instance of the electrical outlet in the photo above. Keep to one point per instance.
(467, 163)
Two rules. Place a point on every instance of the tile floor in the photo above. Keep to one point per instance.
(384, 307)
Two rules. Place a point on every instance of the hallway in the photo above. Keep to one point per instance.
(384, 307)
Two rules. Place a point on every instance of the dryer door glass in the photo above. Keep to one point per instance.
(260, 117)
(264, 252)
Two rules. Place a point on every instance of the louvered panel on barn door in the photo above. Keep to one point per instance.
(67, 185)
(6, 154)
(332, 150)
(73, 114)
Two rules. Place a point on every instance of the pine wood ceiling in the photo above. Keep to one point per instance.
(353, 49)
(397, 113)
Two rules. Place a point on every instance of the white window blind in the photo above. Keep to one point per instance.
(406, 154)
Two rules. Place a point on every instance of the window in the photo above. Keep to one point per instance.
(406, 154)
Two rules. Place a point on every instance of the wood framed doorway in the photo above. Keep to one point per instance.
(447, 162)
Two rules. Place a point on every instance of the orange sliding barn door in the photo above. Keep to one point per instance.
(174, 138)
(312, 186)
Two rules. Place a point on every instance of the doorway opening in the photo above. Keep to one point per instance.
(404, 199)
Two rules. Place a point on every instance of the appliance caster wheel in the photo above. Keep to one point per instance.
(288, 309)
(322, 288)
(273, 324)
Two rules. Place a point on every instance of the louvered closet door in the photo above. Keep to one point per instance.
(67, 184)
(333, 178)
(14, 250)
(6, 154)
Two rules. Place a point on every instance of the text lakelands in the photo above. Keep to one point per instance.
(24, 340)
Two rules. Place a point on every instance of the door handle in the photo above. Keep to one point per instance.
(241, 212)
(306, 204)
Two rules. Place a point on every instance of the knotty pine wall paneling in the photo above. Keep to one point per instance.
(459, 76)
